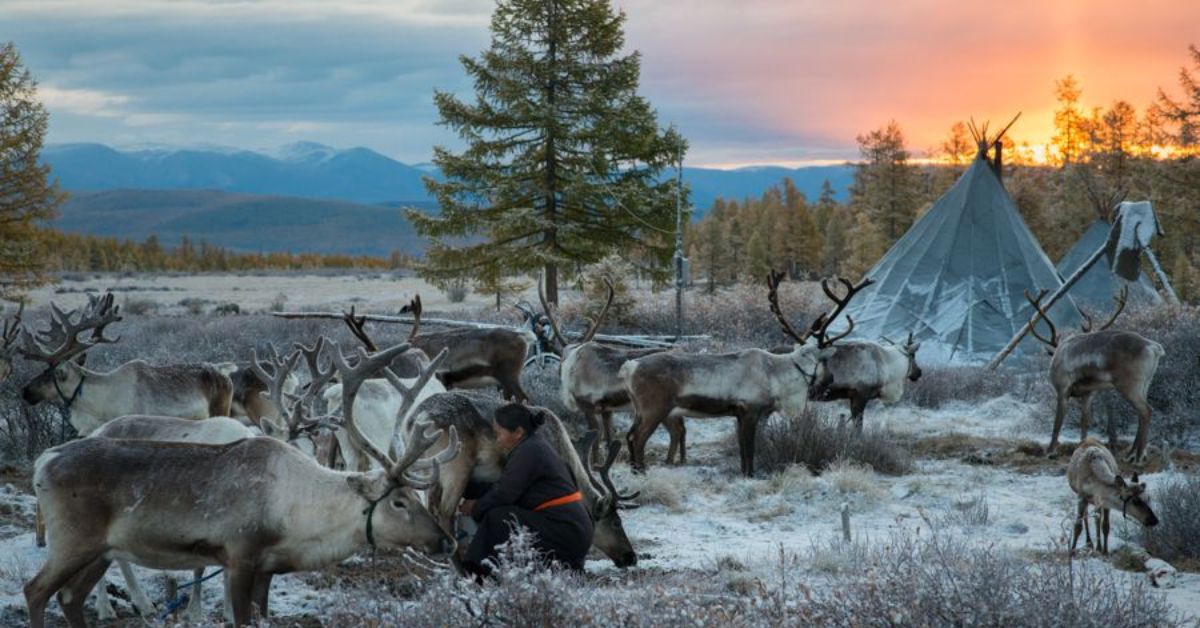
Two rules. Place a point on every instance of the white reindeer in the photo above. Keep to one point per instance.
(255, 507)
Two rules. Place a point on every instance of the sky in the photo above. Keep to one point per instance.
(784, 82)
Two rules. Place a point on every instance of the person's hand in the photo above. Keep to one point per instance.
(466, 507)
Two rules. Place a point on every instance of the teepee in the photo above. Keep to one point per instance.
(1094, 291)
(957, 279)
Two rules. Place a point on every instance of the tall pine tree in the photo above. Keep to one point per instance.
(27, 196)
(563, 158)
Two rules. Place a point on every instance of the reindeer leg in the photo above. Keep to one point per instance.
(1085, 419)
(1080, 522)
(137, 595)
(747, 429)
(104, 605)
(241, 592)
(594, 423)
(73, 594)
(858, 406)
(262, 590)
(1102, 535)
(606, 419)
(57, 571)
(639, 434)
(195, 607)
(1136, 396)
(39, 526)
(1060, 413)
(677, 431)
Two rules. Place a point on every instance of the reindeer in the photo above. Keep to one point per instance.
(310, 435)
(478, 357)
(855, 370)
(256, 507)
(590, 382)
(8, 337)
(1093, 476)
(471, 415)
(1097, 360)
(748, 385)
(378, 402)
(92, 398)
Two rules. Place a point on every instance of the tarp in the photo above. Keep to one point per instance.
(957, 278)
(1095, 289)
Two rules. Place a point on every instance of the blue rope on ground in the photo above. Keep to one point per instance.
(174, 605)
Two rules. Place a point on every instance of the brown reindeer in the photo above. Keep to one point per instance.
(471, 415)
(256, 507)
(1091, 361)
(748, 385)
(92, 397)
(1092, 474)
(477, 357)
(590, 378)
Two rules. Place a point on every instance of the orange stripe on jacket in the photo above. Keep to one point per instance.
(559, 501)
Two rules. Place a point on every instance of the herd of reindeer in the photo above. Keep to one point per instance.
(259, 470)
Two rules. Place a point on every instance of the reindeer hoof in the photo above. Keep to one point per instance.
(1051, 452)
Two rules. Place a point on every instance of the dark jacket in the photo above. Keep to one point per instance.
(533, 474)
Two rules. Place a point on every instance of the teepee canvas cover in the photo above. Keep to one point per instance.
(1094, 291)
(957, 278)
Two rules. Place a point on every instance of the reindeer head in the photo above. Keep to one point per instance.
(60, 348)
(910, 349)
(396, 513)
(1131, 502)
(609, 536)
(310, 434)
(1086, 326)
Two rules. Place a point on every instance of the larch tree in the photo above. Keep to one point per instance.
(886, 185)
(1070, 124)
(27, 195)
(563, 159)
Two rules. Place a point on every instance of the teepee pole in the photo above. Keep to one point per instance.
(1012, 344)
(1162, 277)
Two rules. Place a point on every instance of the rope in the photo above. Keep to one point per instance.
(67, 402)
(174, 605)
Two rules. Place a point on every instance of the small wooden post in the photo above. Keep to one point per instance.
(846, 522)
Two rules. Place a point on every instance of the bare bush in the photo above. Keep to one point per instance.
(1176, 501)
(936, 580)
(972, 513)
(139, 307)
(810, 441)
(939, 386)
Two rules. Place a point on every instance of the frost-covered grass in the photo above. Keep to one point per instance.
(817, 442)
(1176, 538)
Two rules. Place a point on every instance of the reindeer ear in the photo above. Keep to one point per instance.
(1120, 482)
(369, 485)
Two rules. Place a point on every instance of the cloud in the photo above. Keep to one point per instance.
(752, 80)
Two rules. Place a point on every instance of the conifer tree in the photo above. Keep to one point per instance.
(27, 196)
(563, 158)
(886, 186)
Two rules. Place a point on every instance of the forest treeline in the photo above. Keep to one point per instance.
(1097, 157)
(70, 252)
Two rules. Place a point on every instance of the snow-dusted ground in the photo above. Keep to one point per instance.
(695, 516)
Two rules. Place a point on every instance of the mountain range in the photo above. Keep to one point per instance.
(303, 196)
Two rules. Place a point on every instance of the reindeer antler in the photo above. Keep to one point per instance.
(275, 379)
(12, 328)
(425, 435)
(64, 331)
(593, 326)
(558, 337)
(414, 308)
(356, 325)
(822, 330)
(773, 279)
(1120, 299)
(1052, 341)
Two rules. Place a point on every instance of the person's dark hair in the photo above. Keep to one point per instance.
(516, 415)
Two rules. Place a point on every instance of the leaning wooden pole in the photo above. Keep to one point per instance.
(1012, 344)
(1162, 277)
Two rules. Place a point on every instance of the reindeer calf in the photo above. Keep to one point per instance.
(1093, 476)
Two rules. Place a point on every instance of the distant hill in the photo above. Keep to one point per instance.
(241, 222)
(360, 175)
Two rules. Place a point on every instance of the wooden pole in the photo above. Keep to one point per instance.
(1012, 344)
(1162, 278)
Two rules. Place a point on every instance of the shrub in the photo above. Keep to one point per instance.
(139, 307)
(939, 386)
(810, 441)
(279, 303)
(457, 291)
(194, 305)
(1176, 501)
